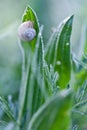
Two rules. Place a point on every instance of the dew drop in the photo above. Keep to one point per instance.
(67, 44)
(58, 62)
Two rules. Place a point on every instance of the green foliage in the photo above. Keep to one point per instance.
(58, 52)
(30, 93)
(53, 112)
(30, 14)
(53, 87)
(63, 65)
(5, 107)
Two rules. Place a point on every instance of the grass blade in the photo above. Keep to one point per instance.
(63, 59)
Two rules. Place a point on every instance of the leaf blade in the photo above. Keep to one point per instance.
(63, 59)
(52, 113)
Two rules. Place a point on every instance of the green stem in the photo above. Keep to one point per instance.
(26, 56)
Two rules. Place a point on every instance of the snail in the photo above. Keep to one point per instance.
(26, 32)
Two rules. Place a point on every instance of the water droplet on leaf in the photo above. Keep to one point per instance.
(67, 44)
(58, 62)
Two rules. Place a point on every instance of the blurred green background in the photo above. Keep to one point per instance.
(50, 14)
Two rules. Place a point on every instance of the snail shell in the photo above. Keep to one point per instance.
(26, 32)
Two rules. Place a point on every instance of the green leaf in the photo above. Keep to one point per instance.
(81, 92)
(31, 89)
(9, 126)
(50, 78)
(81, 104)
(63, 59)
(5, 107)
(27, 49)
(36, 92)
(55, 114)
(58, 53)
(30, 14)
(50, 50)
(79, 71)
(50, 61)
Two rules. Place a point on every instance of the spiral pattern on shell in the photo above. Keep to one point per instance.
(26, 32)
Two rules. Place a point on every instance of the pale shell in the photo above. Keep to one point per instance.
(26, 32)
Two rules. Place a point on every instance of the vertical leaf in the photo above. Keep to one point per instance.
(63, 59)
(35, 94)
(30, 14)
(58, 53)
(50, 50)
(27, 49)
